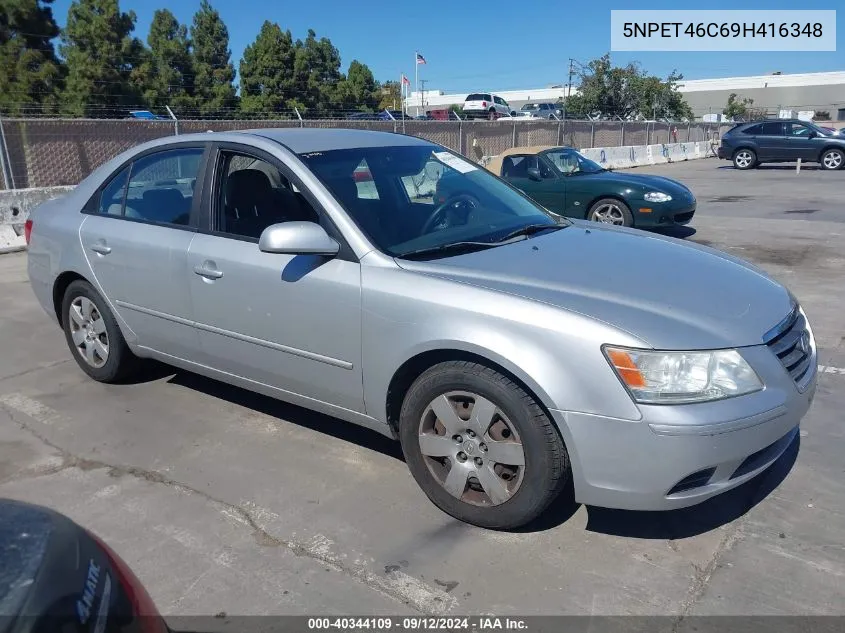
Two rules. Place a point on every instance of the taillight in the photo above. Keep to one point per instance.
(483, 104)
(143, 607)
(27, 230)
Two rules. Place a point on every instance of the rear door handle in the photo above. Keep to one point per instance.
(208, 273)
(101, 248)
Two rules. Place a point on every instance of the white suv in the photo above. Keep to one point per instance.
(488, 105)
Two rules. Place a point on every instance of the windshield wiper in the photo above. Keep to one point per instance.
(531, 229)
(447, 248)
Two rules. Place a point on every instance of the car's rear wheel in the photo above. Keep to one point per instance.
(480, 447)
(491, 114)
(833, 159)
(93, 336)
(744, 159)
(611, 211)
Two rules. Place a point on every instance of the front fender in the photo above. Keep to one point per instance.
(556, 354)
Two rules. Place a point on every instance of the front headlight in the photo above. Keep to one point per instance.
(683, 377)
(657, 196)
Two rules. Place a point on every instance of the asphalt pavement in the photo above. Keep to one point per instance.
(226, 502)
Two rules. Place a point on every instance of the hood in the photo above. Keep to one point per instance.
(643, 182)
(668, 293)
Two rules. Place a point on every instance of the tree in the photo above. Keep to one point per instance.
(101, 55)
(627, 92)
(358, 90)
(316, 73)
(30, 73)
(390, 96)
(267, 70)
(167, 73)
(737, 107)
(213, 70)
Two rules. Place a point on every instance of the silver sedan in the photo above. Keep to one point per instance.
(391, 283)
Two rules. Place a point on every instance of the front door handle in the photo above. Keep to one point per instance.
(101, 248)
(208, 273)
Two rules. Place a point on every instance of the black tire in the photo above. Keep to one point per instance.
(546, 469)
(624, 210)
(741, 157)
(832, 159)
(120, 362)
(491, 114)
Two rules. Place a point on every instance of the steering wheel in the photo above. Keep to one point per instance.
(441, 209)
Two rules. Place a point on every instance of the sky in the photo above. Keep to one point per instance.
(495, 45)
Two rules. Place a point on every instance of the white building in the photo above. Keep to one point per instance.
(775, 92)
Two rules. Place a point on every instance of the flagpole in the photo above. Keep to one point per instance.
(417, 80)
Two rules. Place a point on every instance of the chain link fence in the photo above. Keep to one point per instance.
(47, 152)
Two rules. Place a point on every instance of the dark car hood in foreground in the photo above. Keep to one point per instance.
(668, 293)
(640, 182)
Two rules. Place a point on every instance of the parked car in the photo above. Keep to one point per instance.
(781, 140)
(510, 350)
(146, 115)
(567, 183)
(541, 111)
(58, 576)
(365, 116)
(488, 105)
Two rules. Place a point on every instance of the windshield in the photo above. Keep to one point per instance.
(569, 162)
(408, 198)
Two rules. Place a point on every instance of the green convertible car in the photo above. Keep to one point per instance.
(567, 183)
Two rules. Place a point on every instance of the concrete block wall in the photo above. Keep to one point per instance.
(15, 206)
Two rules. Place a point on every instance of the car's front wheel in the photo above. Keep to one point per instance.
(745, 159)
(611, 211)
(480, 447)
(833, 159)
(93, 336)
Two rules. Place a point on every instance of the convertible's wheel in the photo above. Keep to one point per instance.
(833, 159)
(93, 336)
(611, 211)
(480, 447)
(745, 159)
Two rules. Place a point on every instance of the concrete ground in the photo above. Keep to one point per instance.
(224, 501)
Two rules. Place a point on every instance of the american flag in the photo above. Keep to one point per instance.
(420, 59)
(406, 81)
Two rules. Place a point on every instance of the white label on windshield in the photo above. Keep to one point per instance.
(458, 164)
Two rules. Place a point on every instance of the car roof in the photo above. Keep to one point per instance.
(303, 140)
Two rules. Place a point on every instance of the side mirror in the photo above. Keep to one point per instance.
(297, 238)
(534, 174)
(812, 134)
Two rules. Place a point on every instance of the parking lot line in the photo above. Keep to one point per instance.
(831, 370)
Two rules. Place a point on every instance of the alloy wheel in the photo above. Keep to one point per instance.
(832, 160)
(744, 159)
(608, 213)
(471, 448)
(88, 331)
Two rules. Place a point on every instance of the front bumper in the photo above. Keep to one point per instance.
(678, 456)
(663, 215)
(722, 153)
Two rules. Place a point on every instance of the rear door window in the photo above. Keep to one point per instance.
(111, 200)
(772, 128)
(161, 186)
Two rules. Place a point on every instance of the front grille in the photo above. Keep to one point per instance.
(791, 342)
